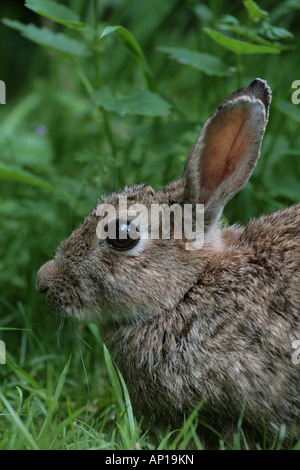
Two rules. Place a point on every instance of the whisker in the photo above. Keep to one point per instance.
(78, 335)
(60, 328)
(81, 355)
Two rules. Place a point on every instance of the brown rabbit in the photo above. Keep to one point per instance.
(217, 324)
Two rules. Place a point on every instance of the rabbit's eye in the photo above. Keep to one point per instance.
(123, 236)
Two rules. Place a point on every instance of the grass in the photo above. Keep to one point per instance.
(75, 127)
(39, 411)
(79, 403)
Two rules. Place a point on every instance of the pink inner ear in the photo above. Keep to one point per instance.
(226, 142)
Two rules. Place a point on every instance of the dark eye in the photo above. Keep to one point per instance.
(123, 235)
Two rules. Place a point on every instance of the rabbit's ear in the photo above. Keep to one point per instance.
(227, 150)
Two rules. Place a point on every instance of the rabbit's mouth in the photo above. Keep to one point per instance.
(62, 294)
(58, 299)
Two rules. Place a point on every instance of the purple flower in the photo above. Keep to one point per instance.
(41, 130)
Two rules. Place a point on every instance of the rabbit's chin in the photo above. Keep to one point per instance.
(111, 316)
(102, 316)
(82, 315)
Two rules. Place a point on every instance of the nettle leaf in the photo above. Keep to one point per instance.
(254, 35)
(131, 44)
(56, 12)
(142, 103)
(229, 20)
(276, 34)
(206, 63)
(255, 13)
(240, 47)
(10, 173)
(58, 42)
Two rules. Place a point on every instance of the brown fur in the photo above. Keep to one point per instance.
(213, 325)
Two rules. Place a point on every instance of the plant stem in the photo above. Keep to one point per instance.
(106, 122)
(84, 79)
(96, 45)
(89, 87)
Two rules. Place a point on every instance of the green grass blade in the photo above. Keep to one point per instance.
(113, 378)
(55, 398)
(129, 412)
(22, 373)
(185, 432)
(15, 418)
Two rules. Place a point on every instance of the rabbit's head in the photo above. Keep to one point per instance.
(123, 264)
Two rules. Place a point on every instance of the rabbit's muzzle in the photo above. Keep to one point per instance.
(44, 277)
(61, 291)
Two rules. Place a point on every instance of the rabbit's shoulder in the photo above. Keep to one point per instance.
(280, 229)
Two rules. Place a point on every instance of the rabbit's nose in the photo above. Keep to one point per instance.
(44, 276)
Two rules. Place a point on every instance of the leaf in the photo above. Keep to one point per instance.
(229, 20)
(239, 47)
(206, 63)
(56, 12)
(8, 173)
(7, 328)
(276, 34)
(58, 42)
(289, 109)
(142, 103)
(254, 35)
(127, 38)
(255, 13)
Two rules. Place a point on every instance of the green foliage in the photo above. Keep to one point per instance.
(56, 12)
(206, 63)
(101, 94)
(142, 103)
(239, 47)
(134, 49)
(58, 42)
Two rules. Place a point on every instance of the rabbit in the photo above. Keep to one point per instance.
(214, 326)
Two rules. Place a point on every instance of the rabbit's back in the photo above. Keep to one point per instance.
(229, 341)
